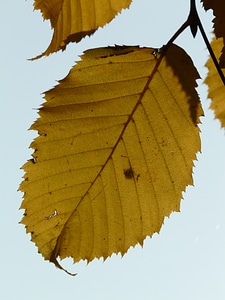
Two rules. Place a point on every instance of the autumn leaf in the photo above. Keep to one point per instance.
(117, 140)
(216, 88)
(72, 20)
(218, 8)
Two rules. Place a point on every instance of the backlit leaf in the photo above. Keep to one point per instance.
(117, 140)
(74, 19)
(218, 8)
(216, 88)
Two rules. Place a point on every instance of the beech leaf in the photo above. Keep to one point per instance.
(117, 140)
(74, 19)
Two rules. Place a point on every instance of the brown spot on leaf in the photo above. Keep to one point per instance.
(129, 173)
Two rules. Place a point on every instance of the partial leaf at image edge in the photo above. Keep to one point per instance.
(216, 88)
(218, 8)
(117, 140)
(72, 20)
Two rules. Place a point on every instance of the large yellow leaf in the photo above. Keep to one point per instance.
(218, 7)
(74, 19)
(117, 140)
(216, 88)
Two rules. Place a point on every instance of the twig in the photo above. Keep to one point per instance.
(194, 22)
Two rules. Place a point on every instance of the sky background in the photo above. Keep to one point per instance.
(187, 259)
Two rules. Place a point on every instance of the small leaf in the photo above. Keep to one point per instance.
(216, 88)
(74, 19)
(218, 8)
(117, 140)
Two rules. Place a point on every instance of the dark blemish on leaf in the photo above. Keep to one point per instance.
(119, 47)
(164, 142)
(129, 173)
(138, 175)
(120, 50)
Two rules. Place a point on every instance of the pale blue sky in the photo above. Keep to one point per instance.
(187, 259)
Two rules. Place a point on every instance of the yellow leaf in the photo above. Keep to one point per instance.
(74, 19)
(117, 140)
(218, 8)
(216, 88)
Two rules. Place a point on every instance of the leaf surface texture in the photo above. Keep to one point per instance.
(117, 140)
(72, 20)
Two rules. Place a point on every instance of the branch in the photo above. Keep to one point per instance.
(195, 23)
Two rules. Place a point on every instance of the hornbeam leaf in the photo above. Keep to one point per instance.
(216, 88)
(117, 140)
(74, 19)
(218, 8)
